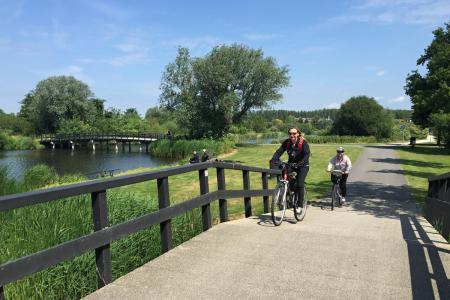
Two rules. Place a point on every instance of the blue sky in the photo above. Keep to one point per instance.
(334, 49)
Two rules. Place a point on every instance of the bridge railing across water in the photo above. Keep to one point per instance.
(103, 136)
(437, 209)
(103, 234)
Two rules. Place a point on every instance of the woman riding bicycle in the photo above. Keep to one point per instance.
(342, 163)
(298, 151)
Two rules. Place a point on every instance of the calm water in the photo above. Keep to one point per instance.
(82, 161)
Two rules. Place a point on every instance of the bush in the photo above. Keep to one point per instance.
(181, 149)
(340, 139)
(39, 176)
(3, 141)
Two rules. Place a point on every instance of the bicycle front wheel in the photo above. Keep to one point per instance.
(335, 196)
(278, 207)
(300, 206)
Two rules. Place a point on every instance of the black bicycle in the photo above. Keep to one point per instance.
(284, 196)
(336, 193)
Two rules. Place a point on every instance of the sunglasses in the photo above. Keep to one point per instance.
(293, 133)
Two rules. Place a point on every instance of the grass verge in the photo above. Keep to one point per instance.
(421, 163)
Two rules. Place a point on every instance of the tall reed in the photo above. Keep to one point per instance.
(27, 230)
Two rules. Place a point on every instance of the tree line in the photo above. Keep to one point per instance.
(230, 90)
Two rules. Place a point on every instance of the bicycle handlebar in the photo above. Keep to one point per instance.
(337, 172)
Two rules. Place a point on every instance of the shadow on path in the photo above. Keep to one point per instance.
(423, 272)
(384, 201)
(416, 163)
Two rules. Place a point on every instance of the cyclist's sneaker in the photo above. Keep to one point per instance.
(343, 200)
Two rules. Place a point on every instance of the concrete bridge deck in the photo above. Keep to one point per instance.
(377, 247)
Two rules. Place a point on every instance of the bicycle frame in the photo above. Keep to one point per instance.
(284, 196)
(338, 175)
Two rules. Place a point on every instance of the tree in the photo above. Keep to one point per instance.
(440, 122)
(363, 116)
(210, 94)
(431, 93)
(56, 99)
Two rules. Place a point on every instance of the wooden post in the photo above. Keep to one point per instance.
(247, 200)
(265, 187)
(165, 227)
(129, 146)
(222, 202)
(204, 189)
(103, 253)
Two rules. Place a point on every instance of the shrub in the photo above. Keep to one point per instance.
(180, 149)
(39, 175)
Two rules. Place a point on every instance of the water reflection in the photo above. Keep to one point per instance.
(84, 161)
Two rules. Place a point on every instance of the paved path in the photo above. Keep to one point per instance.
(378, 247)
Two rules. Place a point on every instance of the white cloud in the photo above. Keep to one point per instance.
(381, 73)
(378, 98)
(192, 43)
(110, 10)
(74, 70)
(127, 47)
(431, 12)
(130, 59)
(259, 37)
(333, 105)
(398, 99)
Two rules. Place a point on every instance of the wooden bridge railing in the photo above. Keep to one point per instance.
(103, 136)
(437, 209)
(104, 234)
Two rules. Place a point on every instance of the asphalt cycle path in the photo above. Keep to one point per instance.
(376, 247)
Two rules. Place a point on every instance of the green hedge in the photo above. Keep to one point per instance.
(182, 149)
(335, 139)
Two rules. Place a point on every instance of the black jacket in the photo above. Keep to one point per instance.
(295, 156)
(194, 159)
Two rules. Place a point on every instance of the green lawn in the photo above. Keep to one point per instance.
(421, 163)
(186, 186)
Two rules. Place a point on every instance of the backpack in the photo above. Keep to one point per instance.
(288, 145)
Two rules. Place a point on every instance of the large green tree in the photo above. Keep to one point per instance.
(430, 93)
(363, 116)
(210, 94)
(57, 99)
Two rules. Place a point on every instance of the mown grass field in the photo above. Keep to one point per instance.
(421, 163)
(186, 186)
(25, 231)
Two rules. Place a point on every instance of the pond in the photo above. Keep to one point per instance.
(82, 161)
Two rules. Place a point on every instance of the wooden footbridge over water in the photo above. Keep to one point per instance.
(109, 140)
(377, 247)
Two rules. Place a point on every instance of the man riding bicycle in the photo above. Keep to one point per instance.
(342, 163)
(298, 150)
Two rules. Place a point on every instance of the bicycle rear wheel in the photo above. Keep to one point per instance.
(299, 206)
(278, 207)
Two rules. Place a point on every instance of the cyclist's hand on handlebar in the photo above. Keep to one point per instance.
(297, 165)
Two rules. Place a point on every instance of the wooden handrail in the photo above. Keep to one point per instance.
(103, 234)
